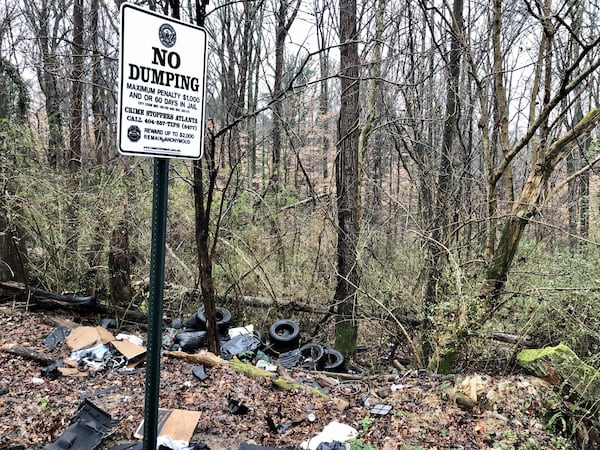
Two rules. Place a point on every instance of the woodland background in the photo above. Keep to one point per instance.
(417, 175)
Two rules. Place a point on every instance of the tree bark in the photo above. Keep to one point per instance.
(202, 207)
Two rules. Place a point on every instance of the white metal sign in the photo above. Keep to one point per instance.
(161, 90)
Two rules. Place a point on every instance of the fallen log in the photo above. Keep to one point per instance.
(27, 353)
(13, 288)
(211, 360)
(523, 340)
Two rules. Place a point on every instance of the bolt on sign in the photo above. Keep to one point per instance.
(161, 86)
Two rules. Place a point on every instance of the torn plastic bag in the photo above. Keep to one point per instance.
(168, 443)
(108, 323)
(199, 372)
(140, 446)
(86, 431)
(236, 407)
(290, 359)
(129, 337)
(240, 343)
(189, 341)
(57, 336)
(334, 431)
(131, 446)
(281, 428)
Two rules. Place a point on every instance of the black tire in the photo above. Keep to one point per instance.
(312, 356)
(194, 322)
(222, 315)
(284, 335)
(333, 360)
(189, 341)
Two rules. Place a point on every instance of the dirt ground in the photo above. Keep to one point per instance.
(408, 409)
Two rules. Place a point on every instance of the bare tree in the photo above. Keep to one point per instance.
(284, 20)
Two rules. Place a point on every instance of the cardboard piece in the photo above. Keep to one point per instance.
(178, 424)
(128, 349)
(84, 337)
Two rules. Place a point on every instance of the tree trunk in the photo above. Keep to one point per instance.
(282, 28)
(438, 242)
(75, 129)
(501, 102)
(347, 183)
(324, 122)
(46, 33)
(119, 266)
(202, 207)
(13, 111)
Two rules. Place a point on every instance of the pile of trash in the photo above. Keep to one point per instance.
(94, 349)
(282, 343)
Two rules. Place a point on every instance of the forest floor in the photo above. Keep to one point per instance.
(408, 410)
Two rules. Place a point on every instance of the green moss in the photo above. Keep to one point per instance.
(563, 363)
(533, 354)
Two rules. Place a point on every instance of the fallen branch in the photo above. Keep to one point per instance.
(523, 340)
(207, 358)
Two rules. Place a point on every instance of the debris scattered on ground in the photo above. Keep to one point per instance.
(395, 409)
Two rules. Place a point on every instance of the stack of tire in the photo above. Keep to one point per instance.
(192, 338)
(284, 337)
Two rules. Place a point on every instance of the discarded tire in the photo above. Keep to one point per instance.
(284, 335)
(222, 315)
(194, 322)
(189, 341)
(312, 356)
(333, 360)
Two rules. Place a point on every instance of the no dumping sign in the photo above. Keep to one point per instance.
(161, 86)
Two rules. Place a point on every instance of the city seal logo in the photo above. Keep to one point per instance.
(134, 133)
(167, 35)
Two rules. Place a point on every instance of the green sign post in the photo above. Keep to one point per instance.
(160, 195)
(161, 114)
